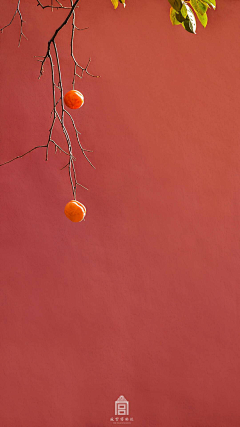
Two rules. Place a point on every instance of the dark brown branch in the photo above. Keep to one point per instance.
(56, 115)
(60, 6)
(71, 167)
(61, 120)
(82, 186)
(22, 155)
(58, 111)
(32, 149)
(17, 11)
(55, 34)
(64, 166)
(78, 140)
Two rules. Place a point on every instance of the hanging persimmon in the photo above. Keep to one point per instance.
(75, 211)
(74, 99)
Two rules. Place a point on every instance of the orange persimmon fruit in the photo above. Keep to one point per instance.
(74, 99)
(75, 211)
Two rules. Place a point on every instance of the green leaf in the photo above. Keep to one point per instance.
(190, 22)
(203, 19)
(184, 10)
(199, 6)
(187, 26)
(180, 17)
(173, 17)
(210, 3)
(115, 3)
(176, 4)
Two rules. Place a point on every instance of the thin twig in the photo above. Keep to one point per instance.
(60, 6)
(64, 166)
(17, 11)
(76, 65)
(77, 137)
(22, 155)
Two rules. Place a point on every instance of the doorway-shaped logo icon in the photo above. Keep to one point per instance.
(121, 406)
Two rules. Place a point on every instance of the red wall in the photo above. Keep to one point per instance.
(141, 299)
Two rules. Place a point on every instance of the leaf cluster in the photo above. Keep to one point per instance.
(181, 13)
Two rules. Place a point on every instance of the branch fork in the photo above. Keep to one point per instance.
(58, 112)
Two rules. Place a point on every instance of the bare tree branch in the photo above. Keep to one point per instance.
(55, 34)
(76, 65)
(58, 111)
(60, 6)
(22, 155)
(17, 11)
